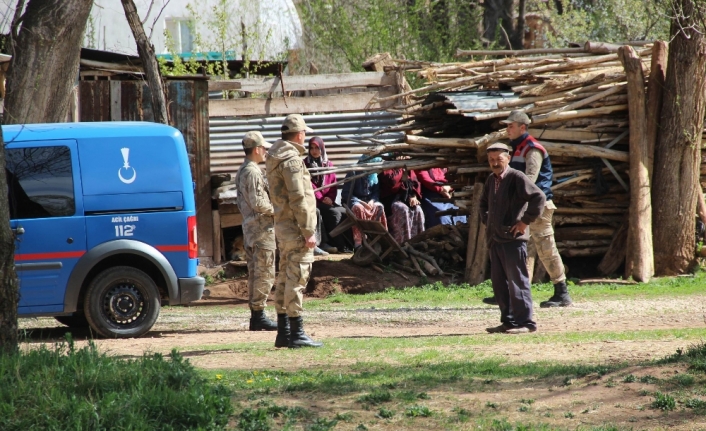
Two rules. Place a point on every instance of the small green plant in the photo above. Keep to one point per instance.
(491, 405)
(376, 397)
(361, 427)
(345, 417)
(569, 415)
(664, 402)
(463, 414)
(683, 380)
(695, 403)
(253, 420)
(649, 379)
(385, 413)
(643, 392)
(501, 425)
(568, 381)
(629, 379)
(208, 278)
(524, 408)
(322, 424)
(529, 401)
(418, 411)
(423, 396)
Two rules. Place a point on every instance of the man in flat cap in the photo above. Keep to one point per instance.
(258, 229)
(530, 157)
(295, 226)
(509, 203)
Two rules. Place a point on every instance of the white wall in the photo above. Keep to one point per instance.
(272, 26)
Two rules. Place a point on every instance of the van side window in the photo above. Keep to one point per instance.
(40, 182)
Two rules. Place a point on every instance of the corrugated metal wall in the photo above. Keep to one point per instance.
(226, 134)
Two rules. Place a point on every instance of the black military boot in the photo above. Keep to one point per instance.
(298, 338)
(260, 322)
(561, 297)
(282, 339)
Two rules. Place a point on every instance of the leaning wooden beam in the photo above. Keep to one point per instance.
(292, 105)
(441, 142)
(639, 262)
(567, 115)
(305, 82)
(517, 52)
(578, 150)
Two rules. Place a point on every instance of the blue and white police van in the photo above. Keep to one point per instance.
(104, 222)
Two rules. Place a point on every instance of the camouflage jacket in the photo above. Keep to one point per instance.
(255, 206)
(292, 194)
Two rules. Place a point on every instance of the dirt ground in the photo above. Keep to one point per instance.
(204, 331)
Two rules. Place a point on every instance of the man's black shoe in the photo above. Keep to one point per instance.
(490, 301)
(560, 298)
(297, 337)
(282, 339)
(260, 322)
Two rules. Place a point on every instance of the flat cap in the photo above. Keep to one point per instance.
(499, 146)
(295, 123)
(517, 116)
(255, 139)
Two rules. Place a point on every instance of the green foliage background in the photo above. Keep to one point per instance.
(340, 34)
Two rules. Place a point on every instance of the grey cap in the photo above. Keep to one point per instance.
(255, 139)
(295, 123)
(517, 116)
(498, 146)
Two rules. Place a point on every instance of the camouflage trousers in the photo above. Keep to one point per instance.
(261, 275)
(542, 241)
(295, 261)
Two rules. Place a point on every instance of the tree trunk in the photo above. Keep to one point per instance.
(494, 12)
(9, 292)
(149, 62)
(640, 261)
(677, 155)
(45, 63)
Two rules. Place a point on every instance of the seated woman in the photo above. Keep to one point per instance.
(331, 212)
(401, 194)
(363, 196)
(434, 187)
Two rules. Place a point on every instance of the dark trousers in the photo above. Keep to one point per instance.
(511, 284)
(331, 217)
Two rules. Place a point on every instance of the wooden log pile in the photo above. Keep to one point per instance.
(433, 251)
(578, 102)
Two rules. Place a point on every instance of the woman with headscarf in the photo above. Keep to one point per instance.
(331, 213)
(363, 195)
(401, 193)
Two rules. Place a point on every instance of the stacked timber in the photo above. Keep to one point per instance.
(578, 99)
(578, 102)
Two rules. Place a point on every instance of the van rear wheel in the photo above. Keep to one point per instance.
(122, 302)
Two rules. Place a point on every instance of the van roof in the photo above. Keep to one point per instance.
(89, 130)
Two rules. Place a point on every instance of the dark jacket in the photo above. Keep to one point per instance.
(363, 189)
(517, 199)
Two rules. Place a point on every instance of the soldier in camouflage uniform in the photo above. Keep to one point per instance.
(295, 226)
(258, 229)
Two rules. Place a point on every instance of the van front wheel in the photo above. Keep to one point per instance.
(122, 302)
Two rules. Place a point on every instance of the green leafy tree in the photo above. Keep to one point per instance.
(341, 34)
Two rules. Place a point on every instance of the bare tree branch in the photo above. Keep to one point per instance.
(166, 2)
(15, 26)
(149, 9)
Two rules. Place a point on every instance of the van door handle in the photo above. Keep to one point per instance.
(19, 230)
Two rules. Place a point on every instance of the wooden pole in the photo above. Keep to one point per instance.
(476, 245)
(658, 74)
(640, 258)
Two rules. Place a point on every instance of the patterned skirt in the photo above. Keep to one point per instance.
(376, 213)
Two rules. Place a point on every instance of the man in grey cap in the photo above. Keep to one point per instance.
(509, 203)
(258, 229)
(295, 226)
(530, 158)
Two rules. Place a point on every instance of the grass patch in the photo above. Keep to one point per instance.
(65, 388)
(438, 294)
(664, 402)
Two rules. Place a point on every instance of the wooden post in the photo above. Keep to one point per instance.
(658, 74)
(217, 251)
(640, 259)
(476, 240)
